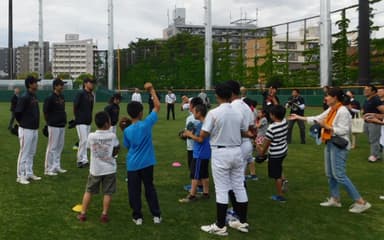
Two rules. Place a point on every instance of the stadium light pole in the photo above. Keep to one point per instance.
(364, 43)
(325, 43)
(41, 43)
(208, 44)
(10, 39)
(110, 45)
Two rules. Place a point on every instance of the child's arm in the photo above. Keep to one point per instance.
(199, 138)
(156, 103)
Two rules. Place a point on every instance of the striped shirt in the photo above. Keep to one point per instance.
(277, 134)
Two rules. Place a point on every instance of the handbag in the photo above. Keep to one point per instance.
(357, 123)
(339, 142)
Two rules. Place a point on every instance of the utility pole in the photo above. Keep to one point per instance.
(208, 44)
(10, 39)
(41, 43)
(325, 43)
(364, 43)
(110, 45)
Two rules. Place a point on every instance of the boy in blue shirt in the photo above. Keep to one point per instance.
(201, 156)
(141, 158)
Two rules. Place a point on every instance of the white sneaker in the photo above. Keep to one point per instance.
(214, 229)
(60, 170)
(157, 220)
(34, 177)
(50, 173)
(359, 208)
(22, 180)
(236, 224)
(382, 197)
(331, 202)
(372, 159)
(138, 221)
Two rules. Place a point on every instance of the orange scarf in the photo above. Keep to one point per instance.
(326, 134)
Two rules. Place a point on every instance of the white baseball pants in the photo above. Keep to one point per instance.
(28, 142)
(54, 148)
(82, 132)
(228, 174)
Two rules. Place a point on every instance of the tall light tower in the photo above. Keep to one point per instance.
(208, 44)
(10, 39)
(325, 43)
(110, 45)
(41, 43)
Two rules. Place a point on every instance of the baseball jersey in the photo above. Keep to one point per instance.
(246, 113)
(201, 150)
(224, 124)
(138, 139)
(170, 98)
(277, 134)
(113, 110)
(101, 144)
(27, 111)
(54, 110)
(136, 97)
(83, 106)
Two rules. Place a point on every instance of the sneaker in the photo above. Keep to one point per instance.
(82, 165)
(60, 170)
(382, 197)
(188, 198)
(34, 177)
(22, 180)
(187, 187)
(251, 177)
(205, 196)
(82, 217)
(372, 159)
(284, 185)
(138, 221)
(214, 229)
(157, 220)
(359, 208)
(50, 173)
(104, 218)
(279, 198)
(199, 189)
(242, 227)
(331, 202)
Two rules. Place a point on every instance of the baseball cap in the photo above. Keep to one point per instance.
(88, 80)
(58, 81)
(315, 132)
(29, 80)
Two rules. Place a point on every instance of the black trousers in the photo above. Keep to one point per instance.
(135, 178)
(301, 125)
(171, 108)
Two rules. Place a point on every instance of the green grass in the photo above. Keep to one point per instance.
(42, 210)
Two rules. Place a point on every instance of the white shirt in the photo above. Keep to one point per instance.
(170, 98)
(224, 124)
(246, 113)
(101, 144)
(136, 97)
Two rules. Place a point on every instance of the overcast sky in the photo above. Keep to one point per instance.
(141, 18)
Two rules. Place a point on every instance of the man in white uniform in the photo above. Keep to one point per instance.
(136, 96)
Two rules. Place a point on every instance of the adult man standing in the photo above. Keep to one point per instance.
(371, 105)
(170, 100)
(224, 124)
(136, 96)
(27, 115)
(13, 107)
(56, 118)
(82, 109)
(297, 105)
(269, 99)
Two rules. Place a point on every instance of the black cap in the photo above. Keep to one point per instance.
(29, 80)
(88, 80)
(117, 96)
(58, 81)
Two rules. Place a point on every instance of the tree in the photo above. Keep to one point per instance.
(48, 75)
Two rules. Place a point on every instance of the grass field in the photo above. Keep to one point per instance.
(42, 209)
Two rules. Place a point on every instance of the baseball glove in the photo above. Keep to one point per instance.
(260, 159)
(71, 124)
(15, 130)
(124, 122)
(45, 130)
(181, 135)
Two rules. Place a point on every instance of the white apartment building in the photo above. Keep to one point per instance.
(73, 56)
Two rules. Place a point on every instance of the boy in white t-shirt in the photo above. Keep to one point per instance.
(103, 145)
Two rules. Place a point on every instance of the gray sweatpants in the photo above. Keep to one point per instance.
(373, 132)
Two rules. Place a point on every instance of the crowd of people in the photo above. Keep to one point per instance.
(231, 136)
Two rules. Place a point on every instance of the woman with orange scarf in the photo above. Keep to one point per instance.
(336, 121)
